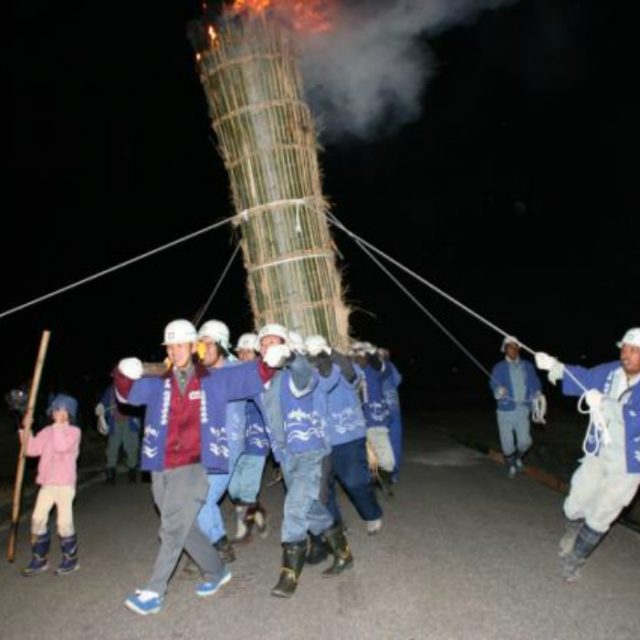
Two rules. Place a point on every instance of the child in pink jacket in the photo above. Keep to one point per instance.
(57, 446)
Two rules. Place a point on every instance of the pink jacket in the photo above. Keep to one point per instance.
(58, 447)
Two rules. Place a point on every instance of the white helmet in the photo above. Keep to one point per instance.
(273, 329)
(369, 348)
(632, 337)
(317, 344)
(361, 348)
(217, 331)
(180, 332)
(357, 348)
(509, 340)
(296, 343)
(248, 342)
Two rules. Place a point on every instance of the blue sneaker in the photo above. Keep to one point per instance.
(209, 588)
(144, 602)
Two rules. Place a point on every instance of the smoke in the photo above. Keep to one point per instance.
(367, 75)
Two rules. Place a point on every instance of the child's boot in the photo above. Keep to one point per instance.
(69, 548)
(40, 550)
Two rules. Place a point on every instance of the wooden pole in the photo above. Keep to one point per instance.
(27, 422)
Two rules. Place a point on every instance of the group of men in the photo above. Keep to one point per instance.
(211, 420)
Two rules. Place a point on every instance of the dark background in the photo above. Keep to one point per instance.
(512, 193)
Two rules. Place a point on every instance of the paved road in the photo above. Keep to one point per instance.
(465, 553)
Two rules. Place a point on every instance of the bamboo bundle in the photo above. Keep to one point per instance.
(267, 139)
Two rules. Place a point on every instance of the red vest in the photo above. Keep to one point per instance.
(183, 430)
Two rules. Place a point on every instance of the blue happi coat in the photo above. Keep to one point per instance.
(256, 440)
(295, 406)
(217, 388)
(601, 378)
(235, 419)
(500, 377)
(345, 419)
(374, 405)
(390, 386)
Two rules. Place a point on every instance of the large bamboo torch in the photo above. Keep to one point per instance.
(266, 134)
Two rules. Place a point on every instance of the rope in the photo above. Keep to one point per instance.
(311, 255)
(597, 433)
(204, 308)
(332, 218)
(539, 403)
(425, 311)
(539, 409)
(126, 263)
(243, 216)
(432, 286)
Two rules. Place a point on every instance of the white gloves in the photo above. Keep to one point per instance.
(99, 409)
(548, 363)
(317, 345)
(276, 355)
(544, 361)
(131, 367)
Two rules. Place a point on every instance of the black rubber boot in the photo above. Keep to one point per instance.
(318, 549)
(342, 556)
(292, 562)
(571, 529)
(133, 476)
(385, 483)
(225, 550)
(40, 545)
(69, 548)
(111, 475)
(586, 541)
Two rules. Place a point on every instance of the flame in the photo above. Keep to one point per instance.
(253, 6)
(303, 15)
(213, 36)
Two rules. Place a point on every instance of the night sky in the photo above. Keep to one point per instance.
(512, 192)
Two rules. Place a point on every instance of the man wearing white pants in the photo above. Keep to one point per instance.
(374, 405)
(609, 474)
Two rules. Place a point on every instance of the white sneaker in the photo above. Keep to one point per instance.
(519, 465)
(374, 526)
(513, 470)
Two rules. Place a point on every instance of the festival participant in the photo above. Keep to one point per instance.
(390, 386)
(346, 429)
(184, 439)
(609, 474)
(294, 402)
(515, 386)
(246, 478)
(122, 429)
(374, 406)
